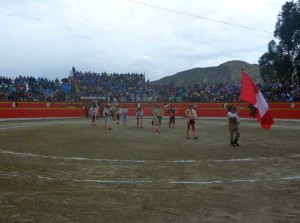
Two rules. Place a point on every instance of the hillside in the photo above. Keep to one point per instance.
(230, 71)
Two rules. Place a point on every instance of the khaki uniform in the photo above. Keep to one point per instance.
(233, 125)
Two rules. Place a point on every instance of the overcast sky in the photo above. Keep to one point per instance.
(45, 38)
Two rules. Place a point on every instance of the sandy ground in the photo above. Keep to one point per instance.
(69, 171)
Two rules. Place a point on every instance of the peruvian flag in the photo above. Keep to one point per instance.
(251, 94)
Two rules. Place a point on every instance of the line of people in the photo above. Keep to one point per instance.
(157, 112)
(117, 113)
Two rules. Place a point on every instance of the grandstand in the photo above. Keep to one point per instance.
(134, 88)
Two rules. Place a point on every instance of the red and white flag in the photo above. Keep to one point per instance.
(251, 94)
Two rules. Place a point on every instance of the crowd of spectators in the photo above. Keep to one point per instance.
(133, 88)
(34, 89)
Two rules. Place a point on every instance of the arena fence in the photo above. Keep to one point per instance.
(279, 110)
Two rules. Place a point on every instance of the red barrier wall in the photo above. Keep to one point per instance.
(59, 109)
(40, 110)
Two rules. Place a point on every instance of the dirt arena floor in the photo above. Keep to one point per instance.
(66, 170)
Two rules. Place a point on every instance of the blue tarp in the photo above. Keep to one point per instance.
(66, 88)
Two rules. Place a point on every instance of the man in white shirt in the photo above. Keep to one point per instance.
(94, 113)
(139, 117)
(106, 115)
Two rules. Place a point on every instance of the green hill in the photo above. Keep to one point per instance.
(230, 71)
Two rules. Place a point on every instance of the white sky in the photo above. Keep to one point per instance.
(45, 38)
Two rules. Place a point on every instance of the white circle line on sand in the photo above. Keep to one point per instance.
(143, 161)
(129, 181)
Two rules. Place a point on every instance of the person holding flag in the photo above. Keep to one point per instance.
(233, 125)
(251, 94)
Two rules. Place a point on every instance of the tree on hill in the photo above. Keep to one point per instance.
(282, 60)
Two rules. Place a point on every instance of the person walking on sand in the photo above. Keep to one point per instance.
(158, 116)
(93, 113)
(117, 112)
(252, 110)
(233, 125)
(106, 115)
(139, 117)
(154, 118)
(191, 115)
(172, 112)
(125, 115)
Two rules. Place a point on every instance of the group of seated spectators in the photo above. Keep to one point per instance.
(34, 89)
(134, 88)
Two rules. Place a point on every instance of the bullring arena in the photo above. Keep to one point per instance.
(66, 170)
